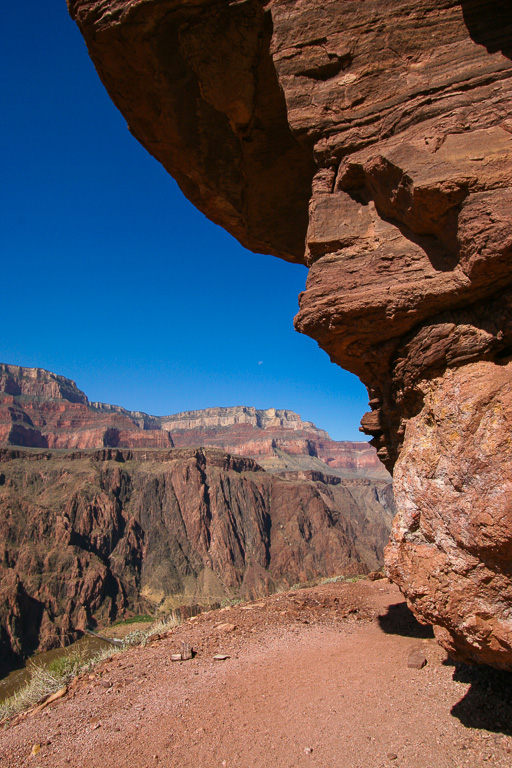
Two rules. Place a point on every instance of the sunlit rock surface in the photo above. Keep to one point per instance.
(39, 409)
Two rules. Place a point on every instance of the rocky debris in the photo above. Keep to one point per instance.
(88, 536)
(57, 696)
(416, 659)
(380, 134)
(187, 651)
(376, 575)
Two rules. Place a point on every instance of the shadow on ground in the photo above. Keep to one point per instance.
(487, 704)
(399, 620)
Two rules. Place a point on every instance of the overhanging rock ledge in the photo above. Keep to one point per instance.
(373, 142)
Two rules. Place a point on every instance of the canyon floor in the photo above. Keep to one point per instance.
(314, 677)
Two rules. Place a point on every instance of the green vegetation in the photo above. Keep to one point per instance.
(345, 579)
(46, 679)
(139, 619)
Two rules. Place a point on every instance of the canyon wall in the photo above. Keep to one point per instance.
(39, 409)
(87, 536)
(279, 439)
(373, 142)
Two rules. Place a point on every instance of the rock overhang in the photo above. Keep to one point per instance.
(210, 109)
(391, 122)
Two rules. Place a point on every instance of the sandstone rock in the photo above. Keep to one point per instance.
(460, 473)
(225, 627)
(394, 121)
(186, 651)
(416, 659)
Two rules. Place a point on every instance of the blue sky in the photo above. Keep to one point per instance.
(112, 278)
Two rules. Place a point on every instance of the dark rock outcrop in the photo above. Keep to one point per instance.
(88, 535)
(394, 120)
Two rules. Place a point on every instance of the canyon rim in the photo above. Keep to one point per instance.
(371, 141)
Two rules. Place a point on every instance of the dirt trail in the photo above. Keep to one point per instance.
(315, 678)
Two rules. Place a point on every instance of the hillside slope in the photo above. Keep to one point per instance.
(88, 535)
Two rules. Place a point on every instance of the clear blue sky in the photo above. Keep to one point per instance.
(109, 276)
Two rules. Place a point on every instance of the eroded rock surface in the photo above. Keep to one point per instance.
(39, 409)
(280, 440)
(87, 536)
(393, 119)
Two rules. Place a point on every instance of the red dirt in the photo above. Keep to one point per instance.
(316, 677)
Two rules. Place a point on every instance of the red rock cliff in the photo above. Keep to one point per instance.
(39, 409)
(86, 536)
(379, 134)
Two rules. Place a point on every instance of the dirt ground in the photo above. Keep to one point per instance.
(316, 678)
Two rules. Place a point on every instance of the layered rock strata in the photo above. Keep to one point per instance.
(39, 409)
(279, 439)
(393, 119)
(87, 536)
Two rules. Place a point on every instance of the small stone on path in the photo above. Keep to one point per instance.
(376, 576)
(186, 651)
(225, 627)
(417, 659)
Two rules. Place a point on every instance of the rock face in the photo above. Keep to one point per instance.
(86, 536)
(393, 120)
(279, 439)
(39, 409)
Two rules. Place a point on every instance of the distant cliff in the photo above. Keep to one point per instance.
(39, 409)
(87, 535)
